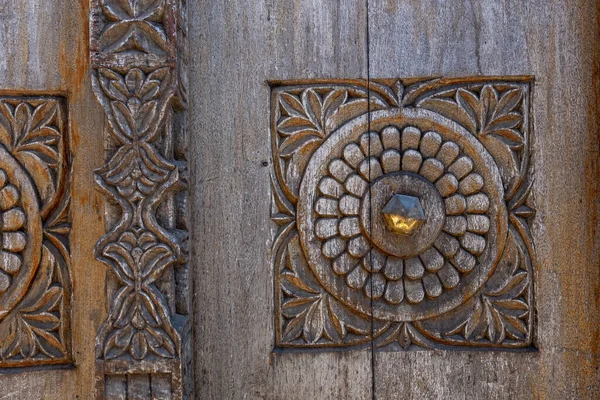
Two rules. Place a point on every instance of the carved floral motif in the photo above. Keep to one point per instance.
(459, 146)
(142, 325)
(369, 261)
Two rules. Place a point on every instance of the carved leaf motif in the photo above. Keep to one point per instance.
(297, 282)
(338, 324)
(518, 281)
(408, 336)
(398, 89)
(310, 314)
(139, 330)
(309, 322)
(501, 119)
(314, 324)
(36, 327)
(318, 319)
(404, 334)
(304, 118)
(137, 170)
(293, 329)
(494, 320)
(492, 116)
(520, 211)
(495, 117)
(133, 101)
(283, 212)
(332, 103)
(31, 131)
(141, 321)
(113, 85)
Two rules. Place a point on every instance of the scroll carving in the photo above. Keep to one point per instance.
(35, 222)
(349, 156)
(139, 62)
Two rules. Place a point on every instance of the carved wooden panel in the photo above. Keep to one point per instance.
(407, 224)
(35, 219)
(138, 53)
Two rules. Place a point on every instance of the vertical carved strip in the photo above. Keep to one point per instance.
(139, 59)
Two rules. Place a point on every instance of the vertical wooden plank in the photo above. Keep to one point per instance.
(238, 47)
(45, 50)
(557, 42)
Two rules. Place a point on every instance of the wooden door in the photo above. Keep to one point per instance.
(298, 200)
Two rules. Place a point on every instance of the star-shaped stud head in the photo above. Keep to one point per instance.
(403, 214)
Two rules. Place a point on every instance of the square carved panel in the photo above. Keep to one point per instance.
(34, 229)
(401, 213)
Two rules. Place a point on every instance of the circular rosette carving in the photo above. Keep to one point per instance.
(20, 232)
(432, 165)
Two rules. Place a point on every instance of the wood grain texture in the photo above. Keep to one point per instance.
(557, 43)
(44, 50)
(237, 48)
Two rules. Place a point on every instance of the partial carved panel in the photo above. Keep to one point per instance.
(407, 225)
(35, 222)
(138, 53)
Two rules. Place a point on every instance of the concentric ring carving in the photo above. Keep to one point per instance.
(413, 277)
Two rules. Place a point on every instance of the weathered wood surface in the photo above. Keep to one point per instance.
(45, 50)
(557, 42)
(237, 48)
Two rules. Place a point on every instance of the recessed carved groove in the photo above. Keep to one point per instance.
(449, 267)
(139, 61)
